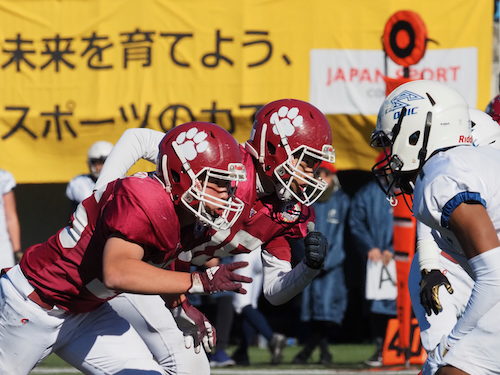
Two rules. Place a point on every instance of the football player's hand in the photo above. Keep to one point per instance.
(315, 247)
(436, 356)
(195, 326)
(219, 279)
(386, 257)
(429, 290)
(375, 255)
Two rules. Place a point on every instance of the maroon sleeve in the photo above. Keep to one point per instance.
(280, 248)
(144, 214)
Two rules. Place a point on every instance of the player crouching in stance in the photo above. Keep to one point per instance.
(120, 239)
(425, 130)
(289, 140)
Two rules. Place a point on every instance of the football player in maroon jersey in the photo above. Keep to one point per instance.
(121, 239)
(289, 139)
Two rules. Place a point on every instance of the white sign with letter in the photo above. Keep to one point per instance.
(381, 281)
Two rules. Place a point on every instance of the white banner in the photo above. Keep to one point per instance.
(352, 81)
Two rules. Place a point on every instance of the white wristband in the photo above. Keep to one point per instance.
(197, 286)
(428, 255)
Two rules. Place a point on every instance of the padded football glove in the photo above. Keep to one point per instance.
(219, 279)
(429, 290)
(315, 247)
(195, 326)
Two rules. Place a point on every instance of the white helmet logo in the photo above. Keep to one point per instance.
(192, 143)
(288, 119)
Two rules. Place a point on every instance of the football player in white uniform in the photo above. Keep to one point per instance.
(82, 186)
(424, 129)
(284, 130)
(433, 270)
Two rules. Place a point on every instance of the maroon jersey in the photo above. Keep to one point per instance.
(266, 222)
(67, 269)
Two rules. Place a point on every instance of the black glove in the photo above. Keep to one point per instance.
(429, 290)
(315, 244)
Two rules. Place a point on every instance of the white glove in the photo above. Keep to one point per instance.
(436, 356)
(195, 327)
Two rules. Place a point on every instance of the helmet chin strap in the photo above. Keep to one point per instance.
(412, 185)
(397, 128)
(423, 151)
(168, 187)
(262, 155)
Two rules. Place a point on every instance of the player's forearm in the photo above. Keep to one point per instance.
(124, 270)
(485, 294)
(281, 282)
(136, 276)
(428, 254)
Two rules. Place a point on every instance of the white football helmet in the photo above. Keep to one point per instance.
(98, 153)
(485, 130)
(416, 120)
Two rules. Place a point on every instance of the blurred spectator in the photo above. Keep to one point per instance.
(496, 16)
(253, 321)
(324, 301)
(10, 230)
(81, 186)
(371, 224)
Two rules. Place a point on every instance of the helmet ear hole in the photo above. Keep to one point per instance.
(271, 149)
(175, 176)
(413, 139)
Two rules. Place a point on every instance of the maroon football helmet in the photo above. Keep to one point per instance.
(493, 108)
(189, 155)
(286, 132)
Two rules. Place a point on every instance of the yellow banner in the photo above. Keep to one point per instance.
(74, 72)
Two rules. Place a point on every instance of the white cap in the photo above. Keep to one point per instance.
(99, 150)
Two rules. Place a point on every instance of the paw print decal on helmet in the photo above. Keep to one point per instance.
(192, 142)
(288, 119)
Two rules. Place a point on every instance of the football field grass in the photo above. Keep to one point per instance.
(347, 359)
